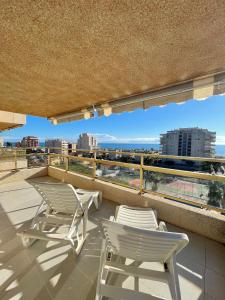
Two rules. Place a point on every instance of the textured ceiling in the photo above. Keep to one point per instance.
(60, 56)
(9, 120)
(7, 126)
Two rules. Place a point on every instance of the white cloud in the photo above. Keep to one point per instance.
(106, 138)
(17, 138)
(11, 138)
(220, 140)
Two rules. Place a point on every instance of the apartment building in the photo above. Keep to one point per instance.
(72, 147)
(86, 142)
(30, 142)
(195, 141)
(58, 146)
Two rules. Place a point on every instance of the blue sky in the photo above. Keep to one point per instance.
(136, 127)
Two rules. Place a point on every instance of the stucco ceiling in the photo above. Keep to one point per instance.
(7, 126)
(61, 56)
(9, 120)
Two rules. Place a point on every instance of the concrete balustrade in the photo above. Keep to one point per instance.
(210, 224)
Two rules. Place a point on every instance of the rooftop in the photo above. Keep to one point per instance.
(49, 270)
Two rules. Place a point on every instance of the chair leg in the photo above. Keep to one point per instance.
(27, 242)
(98, 200)
(101, 270)
(175, 281)
(43, 226)
(85, 219)
(83, 236)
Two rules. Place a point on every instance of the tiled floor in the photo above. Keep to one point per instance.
(48, 270)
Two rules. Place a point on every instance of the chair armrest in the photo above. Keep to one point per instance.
(155, 212)
(112, 219)
(162, 226)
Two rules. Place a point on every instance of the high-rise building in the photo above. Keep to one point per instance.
(188, 142)
(72, 147)
(86, 142)
(30, 142)
(57, 146)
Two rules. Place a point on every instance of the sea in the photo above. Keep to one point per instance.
(220, 149)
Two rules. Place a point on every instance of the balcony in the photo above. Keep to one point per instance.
(49, 270)
(71, 61)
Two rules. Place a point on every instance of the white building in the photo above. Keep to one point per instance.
(188, 142)
(86, 142)
(57, 146)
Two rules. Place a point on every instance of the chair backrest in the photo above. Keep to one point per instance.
(60, 197)
(142, 244)
(137, 217)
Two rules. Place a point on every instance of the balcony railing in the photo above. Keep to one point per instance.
(139, 171)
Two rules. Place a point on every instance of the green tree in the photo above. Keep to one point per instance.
(210, 166)
(189, 163)
(216, 194)
(8, 144)
(155, 178)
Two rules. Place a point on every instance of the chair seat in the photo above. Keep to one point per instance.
(95, 196)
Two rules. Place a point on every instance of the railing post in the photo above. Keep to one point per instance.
(15, 160)
(67, 164)
(141, 174)
(94, 166)
(49, 160)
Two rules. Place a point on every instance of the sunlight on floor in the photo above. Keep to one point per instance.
(50, 270)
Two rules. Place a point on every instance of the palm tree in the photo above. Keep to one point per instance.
(223, 200)
(211, 167)
(216, 194)
(155, 178)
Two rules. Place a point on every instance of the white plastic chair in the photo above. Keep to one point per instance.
(64, 206)
(140, 217)
(140, 245)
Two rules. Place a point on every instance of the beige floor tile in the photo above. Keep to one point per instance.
(50, 270)
(77, 286)
(214, 285)
(209, 297)
(32, 285)
(53, 257)
(191, 281)
(215, 257)
(194, 252)
(11, 203)
(17, 218)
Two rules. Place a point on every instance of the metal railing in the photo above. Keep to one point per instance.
(195, 188)
(195, 180)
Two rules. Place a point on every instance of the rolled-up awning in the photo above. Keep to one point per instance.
(200, 89)
(66, 60)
